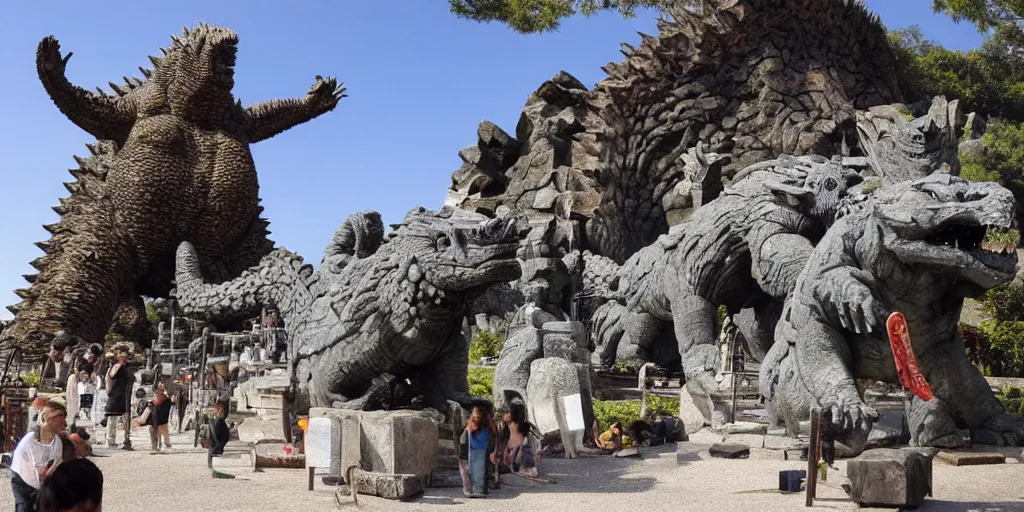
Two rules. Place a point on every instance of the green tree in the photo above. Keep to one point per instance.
(988, 80)
(1002, 16)
(1002, 161)
(535, 16)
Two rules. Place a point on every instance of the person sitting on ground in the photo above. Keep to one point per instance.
(613, 439)
(517, 454)
(38, 453)
(74, 486)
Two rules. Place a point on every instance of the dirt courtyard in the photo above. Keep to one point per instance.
(181, 482)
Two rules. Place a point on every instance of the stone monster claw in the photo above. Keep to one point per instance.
(903, 352)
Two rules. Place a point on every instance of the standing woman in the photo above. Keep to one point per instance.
(475, 444)
(36, 455)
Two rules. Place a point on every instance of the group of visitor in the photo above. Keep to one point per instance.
(483, 447)
(49, 471)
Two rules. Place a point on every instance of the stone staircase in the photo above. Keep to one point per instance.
(446, 474)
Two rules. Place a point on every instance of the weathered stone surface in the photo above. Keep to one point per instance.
(390, 442)
(847, 291)
(270, 454)
(551, 379)
(392, 487)
(159, 194)
(970, 458)
(376, 314)
(888, 477)
(744, 250)
(729, 451)
(691, 415)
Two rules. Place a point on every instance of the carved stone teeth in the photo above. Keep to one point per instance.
(412, 311)
(410, 288)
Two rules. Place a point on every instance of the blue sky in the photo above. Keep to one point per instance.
(419, 82)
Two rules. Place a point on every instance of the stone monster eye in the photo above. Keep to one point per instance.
(830, 184)
(443, 242)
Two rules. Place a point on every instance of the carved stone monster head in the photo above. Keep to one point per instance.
(945, 223)
(199, 66)
(457, 251)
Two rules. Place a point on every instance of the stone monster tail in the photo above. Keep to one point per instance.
(84, 257)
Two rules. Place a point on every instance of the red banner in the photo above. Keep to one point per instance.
(903, 352)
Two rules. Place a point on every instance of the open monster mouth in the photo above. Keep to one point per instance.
(992, 246)
(225, 58)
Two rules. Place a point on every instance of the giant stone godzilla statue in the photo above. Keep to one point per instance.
(369, 315)
(918, 248)
(743, 250)
(171, 163)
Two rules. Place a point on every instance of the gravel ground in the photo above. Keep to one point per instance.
(140, 480)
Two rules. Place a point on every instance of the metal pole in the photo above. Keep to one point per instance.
(174, 367)
(202, 386)
(732, 358)
(813, 448)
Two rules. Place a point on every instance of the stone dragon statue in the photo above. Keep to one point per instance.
(375, 310)
(171, 163)
(919, 248)
(742, 250)
(748, 78)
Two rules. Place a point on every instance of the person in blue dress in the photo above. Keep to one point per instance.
(475, 445)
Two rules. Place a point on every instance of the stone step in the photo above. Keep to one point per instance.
(448, 461)
(445, 478)
(446, 450)
(446, 444)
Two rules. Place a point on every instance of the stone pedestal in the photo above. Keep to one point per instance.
(389, 448)
(890, 478)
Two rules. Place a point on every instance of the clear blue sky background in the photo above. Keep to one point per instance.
(419, 79)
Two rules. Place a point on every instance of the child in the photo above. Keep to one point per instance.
(517, 454)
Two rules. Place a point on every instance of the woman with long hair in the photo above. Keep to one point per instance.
(475, 443)
(517, 452)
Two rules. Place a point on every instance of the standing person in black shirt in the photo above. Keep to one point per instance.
(119, 385)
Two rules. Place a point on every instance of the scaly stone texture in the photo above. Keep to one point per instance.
(376, 309)
(744, 250)
(919, 248)
(751, 79)
(171, 163)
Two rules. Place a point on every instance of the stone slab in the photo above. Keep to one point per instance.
(729, 451)
(628, 453)
(889, 478)
(693, 419)
(970, 458)
(388, 486)
(390, 442)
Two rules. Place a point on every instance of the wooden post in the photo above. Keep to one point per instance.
(813, 454)
(310, 477)
(732, 359)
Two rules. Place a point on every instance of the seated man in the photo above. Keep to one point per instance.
(74, 486)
